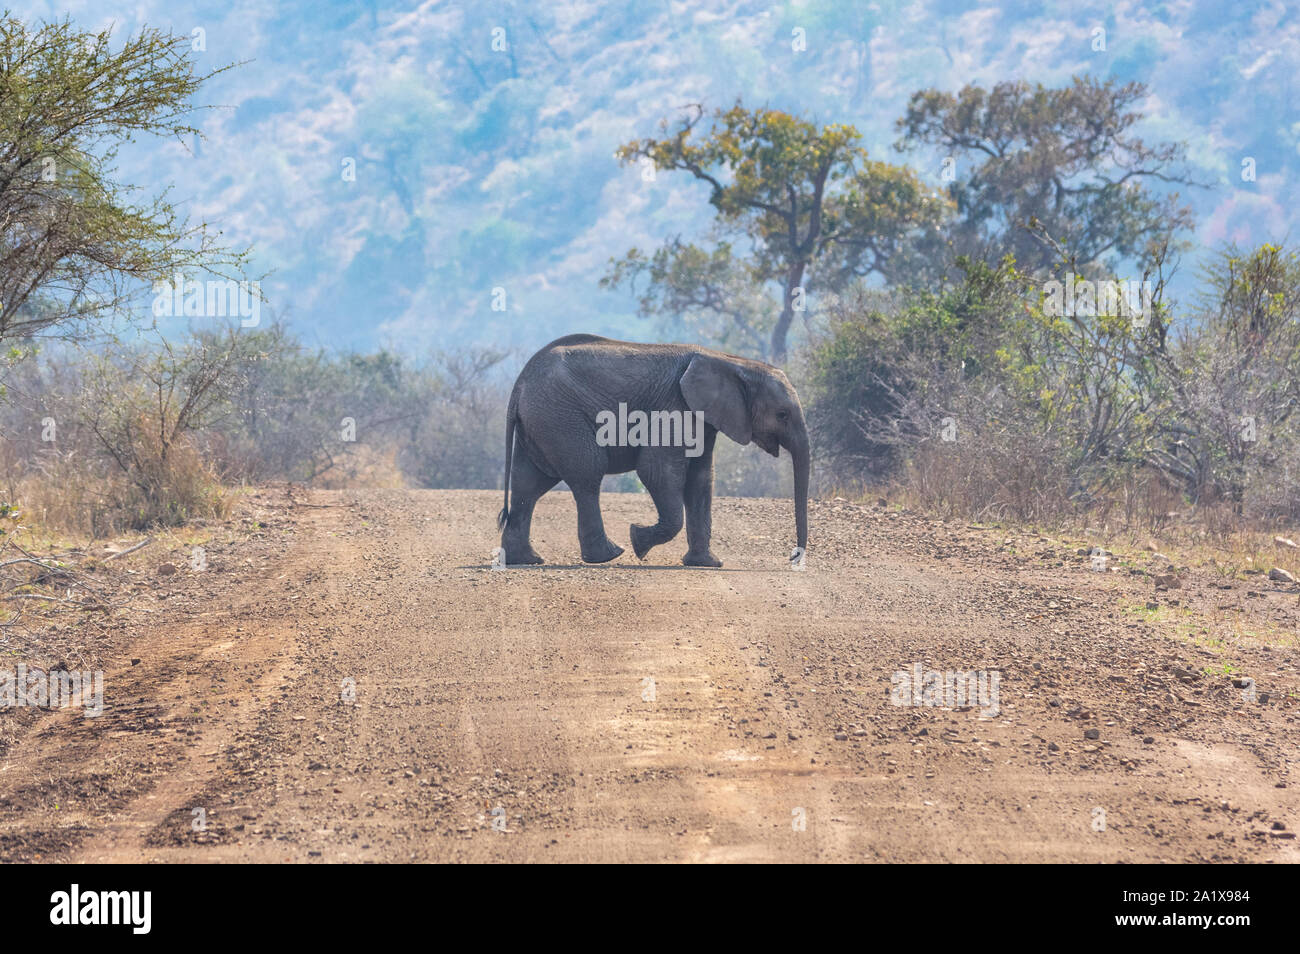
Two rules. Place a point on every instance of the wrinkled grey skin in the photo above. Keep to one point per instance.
(551, 427)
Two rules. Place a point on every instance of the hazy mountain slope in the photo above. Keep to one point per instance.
(479, 169)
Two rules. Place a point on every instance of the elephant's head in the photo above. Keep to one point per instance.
(749, 400)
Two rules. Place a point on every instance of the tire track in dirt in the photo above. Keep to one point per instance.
(179, 694)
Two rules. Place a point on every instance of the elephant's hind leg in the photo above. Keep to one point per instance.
(664, 482)
(596, 546)
(527, 484)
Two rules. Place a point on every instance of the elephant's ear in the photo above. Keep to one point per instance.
(714, 387)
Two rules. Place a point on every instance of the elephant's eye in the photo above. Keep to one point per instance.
(783, 415)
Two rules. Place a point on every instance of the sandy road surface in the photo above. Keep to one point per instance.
(350, 682)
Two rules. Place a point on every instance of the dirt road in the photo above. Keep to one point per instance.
(349, 681)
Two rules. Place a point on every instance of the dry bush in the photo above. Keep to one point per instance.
(62, 491)
(101, 443)
(170, 483)
(61, 494)
(972, 480)
(365, 467)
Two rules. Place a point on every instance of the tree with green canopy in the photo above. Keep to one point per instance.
(803, 197)
(1034, 171)
(76, 244)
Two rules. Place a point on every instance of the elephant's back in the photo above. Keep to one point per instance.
(577, 339)
(600, 348)
(581, 354)
(555, 352)
(579, 375)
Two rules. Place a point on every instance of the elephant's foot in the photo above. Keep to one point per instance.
(522, 556)
(641, 540)
(601, 553)
(701, 559)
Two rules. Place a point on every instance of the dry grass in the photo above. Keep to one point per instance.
(59, 495)
(364, 467)
(1236, 552)
(988, 483)
(1142, 517)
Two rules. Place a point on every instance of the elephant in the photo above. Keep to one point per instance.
(568, 397)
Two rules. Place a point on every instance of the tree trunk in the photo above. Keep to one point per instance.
(782, 329)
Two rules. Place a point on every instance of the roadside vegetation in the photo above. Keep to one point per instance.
(1001, 348)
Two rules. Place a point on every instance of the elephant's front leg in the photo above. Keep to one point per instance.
(596, 547)
(699, 506)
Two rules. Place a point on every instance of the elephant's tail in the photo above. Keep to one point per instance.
(511, 411)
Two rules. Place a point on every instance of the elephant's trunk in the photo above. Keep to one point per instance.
(799, 454)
